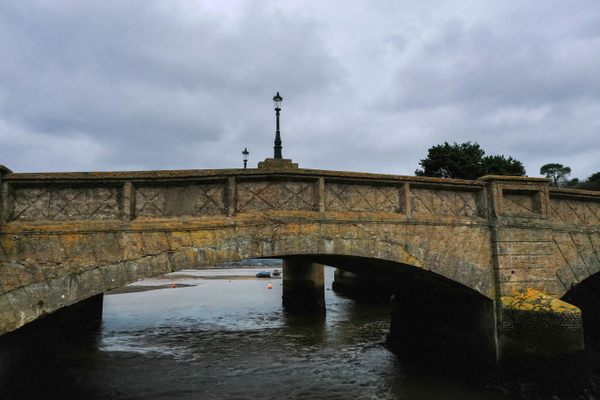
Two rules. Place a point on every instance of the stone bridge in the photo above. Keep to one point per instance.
(496, 261)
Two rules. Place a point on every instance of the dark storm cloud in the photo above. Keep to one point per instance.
(367, 85)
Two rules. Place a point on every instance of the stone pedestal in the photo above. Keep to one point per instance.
(277, 163)
(3, 195)
(303, 287)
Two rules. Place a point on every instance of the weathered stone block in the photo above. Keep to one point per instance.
(107, 247)
(132, 244)
(184, 259)
(14, 275)
(178, 239)
(8, 317)
(155, 243)
(116, 275)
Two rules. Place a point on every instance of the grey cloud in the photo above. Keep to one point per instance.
(519, 88)
(481, 68)
(148, 84)
(139, 79)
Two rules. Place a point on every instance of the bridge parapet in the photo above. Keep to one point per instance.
(574, 207)
(201, 193)
(517, 197)
(174, 194)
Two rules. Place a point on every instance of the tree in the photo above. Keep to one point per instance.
(499, 165)
(466, 161)
(591, 183)
(453, 161)
(557, 173)
(573, 183)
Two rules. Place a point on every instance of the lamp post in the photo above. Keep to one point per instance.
(277, 162)
(277, 148)
(245, 154)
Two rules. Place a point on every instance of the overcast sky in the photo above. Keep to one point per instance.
(367, 85)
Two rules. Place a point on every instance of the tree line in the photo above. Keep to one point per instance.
(468, 161)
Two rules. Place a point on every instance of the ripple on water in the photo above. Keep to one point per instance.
(231, 340)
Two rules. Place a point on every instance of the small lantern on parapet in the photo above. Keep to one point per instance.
(245, 154)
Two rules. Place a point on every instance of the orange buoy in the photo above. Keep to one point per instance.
(173, 285)
(269, 286)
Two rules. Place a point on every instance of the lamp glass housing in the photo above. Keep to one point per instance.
(245, 153)
(277, 99)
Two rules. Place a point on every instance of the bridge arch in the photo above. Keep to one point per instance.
(586, 296)
(99, 262)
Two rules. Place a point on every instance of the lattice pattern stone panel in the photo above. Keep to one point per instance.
(520, 204)
(63, 204)
(576, 256)
(575, 212)
(173, 201)
(258, 196)
(443, 202)
(352, 197)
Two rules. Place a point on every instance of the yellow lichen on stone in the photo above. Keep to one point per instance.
(530, 299)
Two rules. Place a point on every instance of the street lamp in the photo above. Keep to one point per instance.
(245, 154)
(277, 148)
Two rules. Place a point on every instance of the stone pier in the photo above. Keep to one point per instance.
(31, 351)
(82, 318)
(533, 323)
(359, 287)
(303, 287)
(443, 324)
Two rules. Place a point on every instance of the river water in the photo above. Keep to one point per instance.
(226, 336)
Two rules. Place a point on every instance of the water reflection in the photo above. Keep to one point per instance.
(229, 338)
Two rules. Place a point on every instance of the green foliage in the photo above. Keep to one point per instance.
(557, 173)
(466, 161)
(591, 183)
(500, 165)
(573, 183)
(453, 161)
